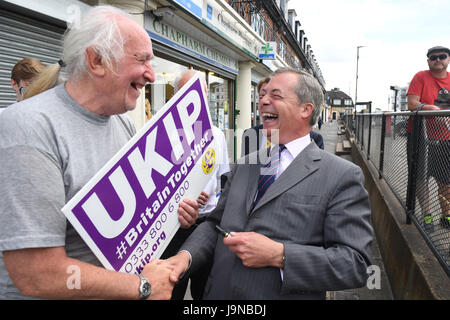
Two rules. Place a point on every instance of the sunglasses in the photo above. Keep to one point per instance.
(22, 91)
(441, 57)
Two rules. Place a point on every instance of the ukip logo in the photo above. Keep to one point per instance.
(208, 161)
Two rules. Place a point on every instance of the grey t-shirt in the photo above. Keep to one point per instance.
(50, 147)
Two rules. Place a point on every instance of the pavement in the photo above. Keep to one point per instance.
(378, 286)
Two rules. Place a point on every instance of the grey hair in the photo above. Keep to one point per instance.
(185, 75)
(307, 89)
(98, 29)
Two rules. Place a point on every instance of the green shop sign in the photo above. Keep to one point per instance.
(267, 51)
(167, 34)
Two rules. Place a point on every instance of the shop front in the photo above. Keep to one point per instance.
(218, 43)
(32, 31)
(179, 46)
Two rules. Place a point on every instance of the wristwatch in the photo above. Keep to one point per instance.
(420, 106)
(145, 289)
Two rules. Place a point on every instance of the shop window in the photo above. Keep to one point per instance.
(219, 103)
(220, 93)
(159, 92)
(254, 106)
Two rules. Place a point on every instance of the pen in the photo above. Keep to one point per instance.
(223, 232)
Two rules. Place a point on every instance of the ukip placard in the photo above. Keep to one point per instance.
(127, 213)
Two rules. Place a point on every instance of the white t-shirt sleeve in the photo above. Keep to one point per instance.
(222, 166)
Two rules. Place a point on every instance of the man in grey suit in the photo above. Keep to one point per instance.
(307, 234)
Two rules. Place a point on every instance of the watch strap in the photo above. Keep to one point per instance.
(420, 106)
(145, 288)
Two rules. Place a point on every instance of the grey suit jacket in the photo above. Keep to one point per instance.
(318, 208)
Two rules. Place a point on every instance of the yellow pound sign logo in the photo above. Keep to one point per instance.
(208, 161)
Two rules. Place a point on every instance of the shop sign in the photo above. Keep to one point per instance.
(193, 6)
(127, 213)
(222, 22)
(175, 38)
(267, 51)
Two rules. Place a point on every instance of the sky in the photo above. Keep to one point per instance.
(396, 35)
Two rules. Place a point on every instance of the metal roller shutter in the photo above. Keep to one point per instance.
(22, 37)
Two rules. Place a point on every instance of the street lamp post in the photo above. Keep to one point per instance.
(395, 89)
(357, 63)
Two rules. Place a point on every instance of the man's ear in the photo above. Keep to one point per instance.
(14, 85)
(308, 109)
(95, 62)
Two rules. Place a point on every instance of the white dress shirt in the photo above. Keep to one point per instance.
(292, 150)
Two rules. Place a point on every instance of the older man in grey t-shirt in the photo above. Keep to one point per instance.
(52, 144)
(60, 146)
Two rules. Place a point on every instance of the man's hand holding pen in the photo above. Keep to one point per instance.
(255, 250)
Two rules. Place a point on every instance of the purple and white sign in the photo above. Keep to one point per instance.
(127, 213)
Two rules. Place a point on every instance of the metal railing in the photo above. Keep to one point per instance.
(411, 152)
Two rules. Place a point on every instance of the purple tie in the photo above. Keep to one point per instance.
(268, 172)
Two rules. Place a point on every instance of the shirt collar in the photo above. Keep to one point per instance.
(296, 146)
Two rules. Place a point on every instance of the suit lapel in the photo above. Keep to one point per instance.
(303, 165)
